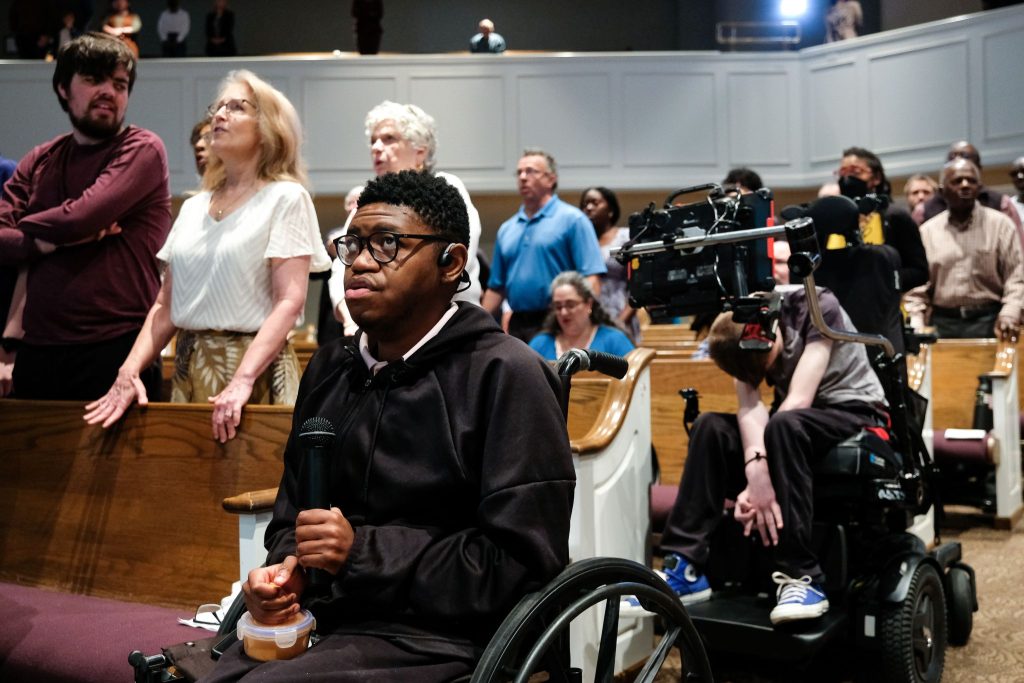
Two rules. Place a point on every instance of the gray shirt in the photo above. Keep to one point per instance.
(848, 377)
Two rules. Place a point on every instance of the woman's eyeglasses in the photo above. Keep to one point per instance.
(232, 107)
(567, 306)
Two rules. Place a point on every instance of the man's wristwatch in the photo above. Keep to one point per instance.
(10, 344)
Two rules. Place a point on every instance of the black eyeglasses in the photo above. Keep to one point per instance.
(383, 246)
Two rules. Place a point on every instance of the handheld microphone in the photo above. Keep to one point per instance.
(316, 436)
(577, 360)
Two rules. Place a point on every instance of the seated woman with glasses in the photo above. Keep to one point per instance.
(238, 260)
(577, 321)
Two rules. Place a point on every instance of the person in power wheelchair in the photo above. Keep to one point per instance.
(451, 480)
(825, 391)
(895, 589)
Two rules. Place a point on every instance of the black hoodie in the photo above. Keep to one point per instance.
(455, 471)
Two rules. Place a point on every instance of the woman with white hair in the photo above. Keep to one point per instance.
(403, 137)
(238, 260)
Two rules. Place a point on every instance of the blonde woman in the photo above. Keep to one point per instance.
(238, 259)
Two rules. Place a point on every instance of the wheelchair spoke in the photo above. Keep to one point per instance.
(657, 658)
(604, 670)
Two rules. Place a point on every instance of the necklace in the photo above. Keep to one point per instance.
(237, 200)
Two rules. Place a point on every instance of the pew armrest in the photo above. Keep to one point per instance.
(251, 502)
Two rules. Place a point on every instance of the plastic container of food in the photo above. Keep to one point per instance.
(265, 642)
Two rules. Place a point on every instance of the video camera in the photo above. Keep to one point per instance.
(669, 279)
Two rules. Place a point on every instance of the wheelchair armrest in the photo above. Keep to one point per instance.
(251, 502)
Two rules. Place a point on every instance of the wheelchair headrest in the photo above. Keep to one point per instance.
(833, 215)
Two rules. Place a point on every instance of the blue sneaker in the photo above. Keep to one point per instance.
(681, 577)
(797, 599)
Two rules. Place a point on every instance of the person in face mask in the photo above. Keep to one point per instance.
(861, 174)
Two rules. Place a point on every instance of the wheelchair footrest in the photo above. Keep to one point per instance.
(739, 623)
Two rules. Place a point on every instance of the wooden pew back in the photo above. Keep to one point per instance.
(956, 365)
(133, 512)
(671, 371)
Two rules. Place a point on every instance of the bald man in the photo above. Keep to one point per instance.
(976, 276)
(962, 149)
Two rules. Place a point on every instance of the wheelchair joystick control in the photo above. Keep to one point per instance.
(316, 436)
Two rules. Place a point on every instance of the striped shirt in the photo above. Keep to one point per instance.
(976, 266)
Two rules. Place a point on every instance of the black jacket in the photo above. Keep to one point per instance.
(454, 469)
(902, 234)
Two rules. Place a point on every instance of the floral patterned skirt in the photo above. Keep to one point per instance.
(206, 360)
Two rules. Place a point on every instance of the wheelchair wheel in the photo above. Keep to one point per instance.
(960, 597)
(528, 639)
(914, 632)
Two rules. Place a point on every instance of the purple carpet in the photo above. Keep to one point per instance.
(47, 636)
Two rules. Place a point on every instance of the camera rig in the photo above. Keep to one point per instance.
(701, 258)
(674, 264)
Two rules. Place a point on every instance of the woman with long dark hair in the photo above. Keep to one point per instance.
(577, 321)
(602, 208)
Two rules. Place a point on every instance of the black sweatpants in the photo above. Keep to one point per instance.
(794, 440)
(341, 658)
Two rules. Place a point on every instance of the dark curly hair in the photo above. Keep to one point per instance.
(438, 204)
(743, 176)
(874, 163)
(92, 54)
(598, 316)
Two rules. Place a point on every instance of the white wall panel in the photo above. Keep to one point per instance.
(470, 116)
(629, 120)
(918, 97)
(830, 97)
(669, 119)
(32, 114)
(759, 114)
(333, 111)
(1003, 62)
(163, 99)
(568, 115)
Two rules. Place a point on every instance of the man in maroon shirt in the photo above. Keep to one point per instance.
(82, 218)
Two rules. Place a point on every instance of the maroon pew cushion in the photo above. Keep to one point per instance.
(47, 636)
(948, 451)
(663, 497)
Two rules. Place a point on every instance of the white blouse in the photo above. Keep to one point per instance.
(221, 269)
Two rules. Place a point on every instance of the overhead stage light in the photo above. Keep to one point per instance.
(792, 9)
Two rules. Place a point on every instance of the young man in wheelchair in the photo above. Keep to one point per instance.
(825, 392)
(451, 475)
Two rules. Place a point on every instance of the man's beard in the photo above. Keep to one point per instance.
(97, 130)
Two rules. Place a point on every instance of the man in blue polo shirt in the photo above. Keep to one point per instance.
(545, 237)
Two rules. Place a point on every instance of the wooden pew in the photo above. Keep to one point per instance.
(671, 371)
(129, 513)
(956, 364)
(669, 337)
(668, 332)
